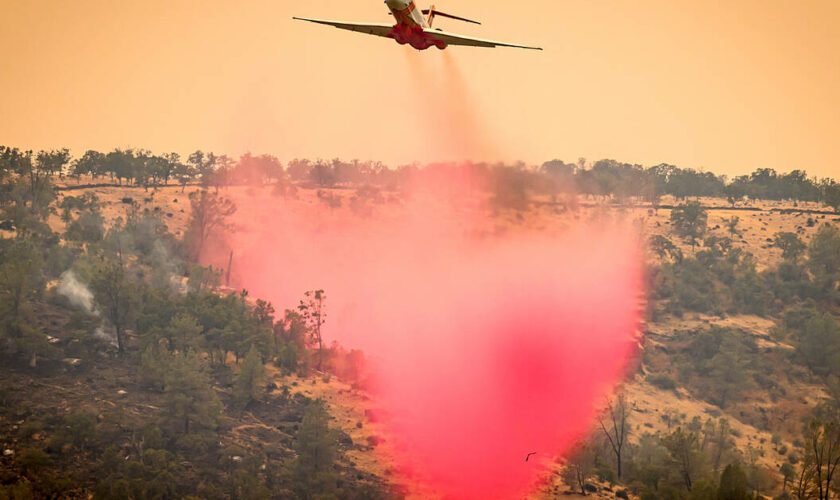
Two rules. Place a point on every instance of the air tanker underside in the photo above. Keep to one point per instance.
(414, 29)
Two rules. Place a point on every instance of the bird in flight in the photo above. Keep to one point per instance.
(414, 27)
(529, 455)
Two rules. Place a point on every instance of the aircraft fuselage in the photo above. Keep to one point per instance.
(411, 26)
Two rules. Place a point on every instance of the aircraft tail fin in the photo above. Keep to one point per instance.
(432, 13)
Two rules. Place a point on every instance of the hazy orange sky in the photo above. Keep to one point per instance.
(728, 86)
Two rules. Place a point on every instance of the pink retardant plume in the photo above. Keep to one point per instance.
(487, 343)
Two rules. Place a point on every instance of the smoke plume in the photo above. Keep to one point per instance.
(76, 292)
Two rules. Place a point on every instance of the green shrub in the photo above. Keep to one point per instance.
(662, 381)
(31, 460)
(20, 490)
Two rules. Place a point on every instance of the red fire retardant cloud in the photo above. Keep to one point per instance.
(486, 344)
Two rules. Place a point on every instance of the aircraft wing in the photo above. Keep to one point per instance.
(453, 39)
(378, 29)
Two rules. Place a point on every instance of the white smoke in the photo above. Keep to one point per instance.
(165, 272)
(80, 296)
(101, 334)
(76, 292)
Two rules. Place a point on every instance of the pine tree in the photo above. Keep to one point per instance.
(189, 400)
(184, 334)
(250, 384)
(312, 471)
(312, 310)
(733, 484)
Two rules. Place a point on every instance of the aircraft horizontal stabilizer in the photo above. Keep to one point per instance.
(432, 13)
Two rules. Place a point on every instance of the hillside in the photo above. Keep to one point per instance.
(766, 419)
(738, 350)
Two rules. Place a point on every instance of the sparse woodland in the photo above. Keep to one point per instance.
(131, 372)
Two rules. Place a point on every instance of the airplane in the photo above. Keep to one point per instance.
(414, 29)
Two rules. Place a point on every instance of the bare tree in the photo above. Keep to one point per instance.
(824, 448)
(804, 484)
(721, 440)
(579, 466)
(684, 447)
(616, 428)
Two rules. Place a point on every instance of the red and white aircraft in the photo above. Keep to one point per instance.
(416, 30)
